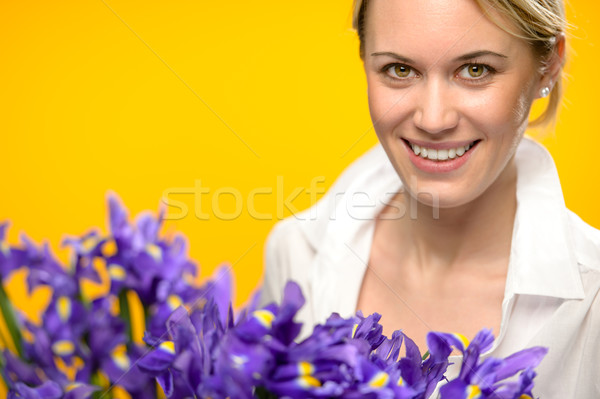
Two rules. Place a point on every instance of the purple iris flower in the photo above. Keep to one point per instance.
(138, 259)
(10, 258)
(487, 378)
(86, 250)
(78, 390)
(44, 269)
(65, 312)
(121, 368)
(47, 390)
(369, 329)
(21, 371)
(172, 294)
(184, 362)
(52, 390)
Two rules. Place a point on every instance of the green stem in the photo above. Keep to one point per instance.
(146, 316)
(262, 393)
(97, 382)
(7, 382)
(124, 311)
(11, 321)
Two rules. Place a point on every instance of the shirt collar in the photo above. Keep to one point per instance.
(354, 199)
(542, 259)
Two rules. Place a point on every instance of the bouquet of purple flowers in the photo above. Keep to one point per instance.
(195, 346)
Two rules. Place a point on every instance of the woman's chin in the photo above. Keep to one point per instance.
(440, 198)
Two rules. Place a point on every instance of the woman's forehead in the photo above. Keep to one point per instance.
(450, 27)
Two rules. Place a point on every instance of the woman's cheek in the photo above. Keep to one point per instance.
(389, 108)
(506, 104)
(489, 111)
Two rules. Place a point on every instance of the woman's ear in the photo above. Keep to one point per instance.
(555, 62)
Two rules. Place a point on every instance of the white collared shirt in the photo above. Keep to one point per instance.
(552, 293)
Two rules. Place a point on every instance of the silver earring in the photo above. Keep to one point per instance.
(545, 92)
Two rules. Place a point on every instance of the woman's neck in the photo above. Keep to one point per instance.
(460, 237)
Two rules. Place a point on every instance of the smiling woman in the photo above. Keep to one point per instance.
(469, 229)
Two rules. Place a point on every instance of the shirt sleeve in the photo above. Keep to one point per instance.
(274, 277)
(288, 257)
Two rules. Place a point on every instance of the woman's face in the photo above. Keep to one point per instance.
(443, 77)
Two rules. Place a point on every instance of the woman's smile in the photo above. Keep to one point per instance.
(439, 157)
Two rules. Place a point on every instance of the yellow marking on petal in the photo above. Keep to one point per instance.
(189, 279)
(305, 368)
(525, 396)
(40, 373)
(155, 251)
(379, 380)
(307, 381)
(400, 382)
(89, 243)
(109, 248)
(174, 301)
(199, 304)
(115, 309)
(64, 308)
(167, 346)
(102, 380)
(239, 360)
(264, 317)
(27, 336)
(4, 248)
(63, 348)
(464, 340)
(119, 356)
(72, 386)
(473, 392)
(354, 330)
(116, 272)
(118, 391)
(99, 263)
(69, 370)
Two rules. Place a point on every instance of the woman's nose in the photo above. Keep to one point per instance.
(435, 110)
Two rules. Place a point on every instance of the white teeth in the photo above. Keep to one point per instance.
(440, 155)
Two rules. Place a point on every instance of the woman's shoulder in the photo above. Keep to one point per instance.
(310, 224)
(294, 241)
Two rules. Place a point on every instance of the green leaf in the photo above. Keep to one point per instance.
(262, 393)
(425, 356)
(125, 314)
(11, 321)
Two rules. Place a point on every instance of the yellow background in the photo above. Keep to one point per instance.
(140, 97)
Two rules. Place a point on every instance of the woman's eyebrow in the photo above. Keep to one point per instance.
(479, 53)
(394, 55)
(465, 57)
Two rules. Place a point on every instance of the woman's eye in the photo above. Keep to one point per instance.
(400, 71)
(473, 71)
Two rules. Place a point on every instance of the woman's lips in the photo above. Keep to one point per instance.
(439, 157)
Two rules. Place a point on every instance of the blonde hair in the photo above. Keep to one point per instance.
(539, 22)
